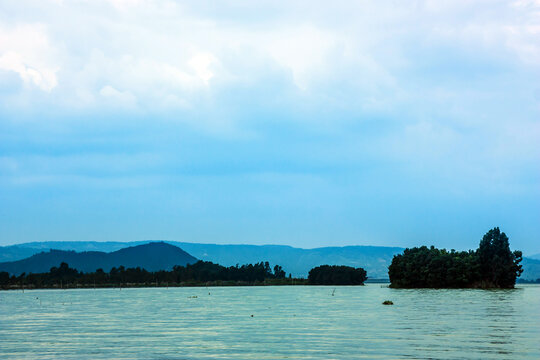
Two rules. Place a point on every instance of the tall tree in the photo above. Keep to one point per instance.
(499, 266)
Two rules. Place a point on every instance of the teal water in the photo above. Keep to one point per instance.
(288, 323)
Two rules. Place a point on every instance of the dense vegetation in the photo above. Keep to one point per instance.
(525, 281)
(336, 275)
(200, 273)
(492, 265)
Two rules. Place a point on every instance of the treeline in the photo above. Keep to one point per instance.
(200, 273)
(525, 281)
(492, 265)
(336, 275)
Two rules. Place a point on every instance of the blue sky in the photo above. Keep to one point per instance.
(304, 123)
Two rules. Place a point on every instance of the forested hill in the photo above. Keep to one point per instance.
(297, 261)
(152, 257)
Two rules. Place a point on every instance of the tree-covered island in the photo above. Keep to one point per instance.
(492, 265)
(336, 275)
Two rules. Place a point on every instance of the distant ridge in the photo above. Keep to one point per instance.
(531, 269)
(297, 261)
(151, 256)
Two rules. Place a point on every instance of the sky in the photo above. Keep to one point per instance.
(305, 123)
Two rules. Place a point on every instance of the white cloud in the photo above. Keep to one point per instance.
(43, 78)
(201, 63)
(159, 53)
(305, 50)
(125, 5)
(26, 50)
(120, 97)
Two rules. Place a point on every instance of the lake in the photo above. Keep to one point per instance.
(289, 322)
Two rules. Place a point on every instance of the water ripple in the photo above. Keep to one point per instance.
(287, 323)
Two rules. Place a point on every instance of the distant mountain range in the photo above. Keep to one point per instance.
(531, 269)
(152, 257)
(297, 261)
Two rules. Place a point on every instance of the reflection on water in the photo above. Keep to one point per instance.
(287, 322)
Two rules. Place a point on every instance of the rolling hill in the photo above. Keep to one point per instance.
(152, 257)
(531, 269)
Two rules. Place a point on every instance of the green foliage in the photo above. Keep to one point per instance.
(4, 278)
(492, 265)
(498, 265)
(192, 274)
(336, 275)
(524, 281)
(279, 273)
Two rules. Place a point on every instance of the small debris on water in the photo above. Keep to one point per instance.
(387, 302)
(251, 315)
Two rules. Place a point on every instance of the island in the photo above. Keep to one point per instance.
(492, 265)
(336, 275)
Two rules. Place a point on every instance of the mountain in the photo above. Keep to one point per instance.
(297, 261)
(531, 269)
(152, 257)
(535, 256)
(21, 251)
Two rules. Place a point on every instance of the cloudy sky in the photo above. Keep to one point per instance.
(307, 123)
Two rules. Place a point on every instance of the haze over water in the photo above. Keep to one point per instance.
(288, 322)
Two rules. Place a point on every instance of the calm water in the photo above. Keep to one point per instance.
(287, 322)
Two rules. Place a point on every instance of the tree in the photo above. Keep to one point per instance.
(4, 278)
(499, 266)
(278, 272)
(492, 265)
(336, 275)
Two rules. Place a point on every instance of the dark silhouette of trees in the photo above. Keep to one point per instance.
(200, 273)
(492, 265)
(4, 278)
(525, 281)
(63, 273)
(433, 268)
(278, 272)
(336, 275)
(499, 266)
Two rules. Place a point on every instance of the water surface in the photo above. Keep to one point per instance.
(289, 322)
